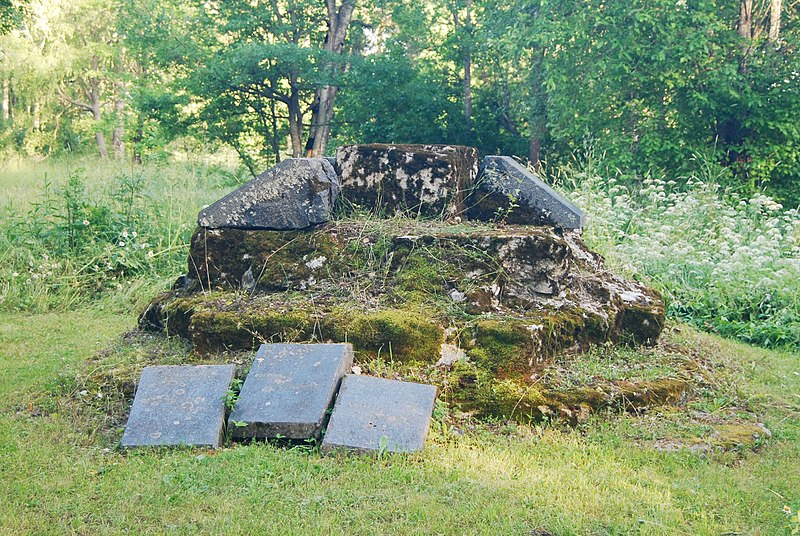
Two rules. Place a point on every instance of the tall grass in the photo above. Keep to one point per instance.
(725, 263)
(79, 231)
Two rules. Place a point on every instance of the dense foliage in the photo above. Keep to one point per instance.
(725, 263)
(648, 84)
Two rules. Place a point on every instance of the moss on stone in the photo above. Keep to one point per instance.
(177, 314)
(504, 346)
(395, 334)
(272, 260)
(418, 279)
(477, 390)
(524, 399)
(230, 330)
(385, 286)
(640, 325)
(739, 436)
(637, 395)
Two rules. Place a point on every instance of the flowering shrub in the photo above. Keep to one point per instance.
(725, 264)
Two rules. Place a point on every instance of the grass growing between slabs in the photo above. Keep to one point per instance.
(61, 473)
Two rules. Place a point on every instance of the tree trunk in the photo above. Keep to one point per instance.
(538, 118)
(101, 144)
(746, 19)
(117, 136)
(6, 99)
(37, 124)
(534, 148)
(774, 21)
(94, 96)
(275, 140)
(138, 136)
(322, 114)
(468, 70)
(317, 144)
(295, 124)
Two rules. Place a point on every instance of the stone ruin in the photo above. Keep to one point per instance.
(469, 276)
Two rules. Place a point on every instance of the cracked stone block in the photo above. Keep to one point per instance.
(374, 414)
(294, 194)
(179, 405)
(425, 180)
(289, 390)
(506, 191)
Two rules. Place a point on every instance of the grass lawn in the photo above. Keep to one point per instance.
(59, 474)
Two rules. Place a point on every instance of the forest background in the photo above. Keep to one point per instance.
(656, 86)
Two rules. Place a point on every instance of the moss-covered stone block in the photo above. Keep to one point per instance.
(740, 436)
(638, 395)
(263, 260)
(212, 331)
(509, 297)
(637, 324)
(505, 346)
(393, 334)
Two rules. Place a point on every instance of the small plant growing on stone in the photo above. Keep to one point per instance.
(502, 213)
(383, 446)
(233, 395)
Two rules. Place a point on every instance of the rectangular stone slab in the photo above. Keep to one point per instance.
(289, 390)
(374, 413)
(293, 194)
(179, 405)
(509, 192)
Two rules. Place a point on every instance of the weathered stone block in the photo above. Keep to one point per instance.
(373, 414)
(179, 405)
(289, 390)
(429, 180)
(509, 192)
(262, 259)
(294, 194)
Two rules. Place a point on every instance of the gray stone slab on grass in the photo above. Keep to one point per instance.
(179, 405)
(372, 414)
(293, 194)
(289, 390)
(509, 192)
(427, 180)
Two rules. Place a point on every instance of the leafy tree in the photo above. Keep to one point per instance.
(388, 98)
(11, 13)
